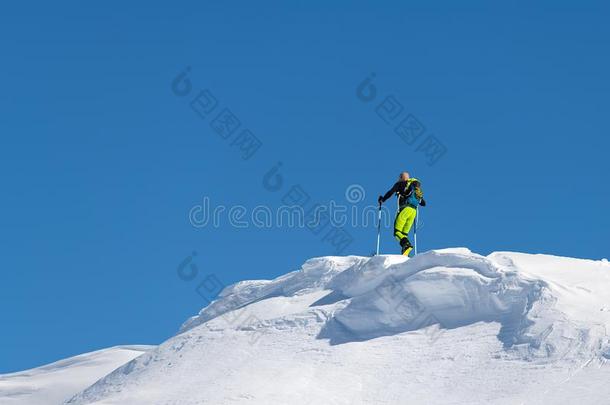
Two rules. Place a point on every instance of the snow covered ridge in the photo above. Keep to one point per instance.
(391, 330)
(58, 381)
(456, 288)
(449, 288)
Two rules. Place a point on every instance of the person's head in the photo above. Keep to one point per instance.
(404, 176)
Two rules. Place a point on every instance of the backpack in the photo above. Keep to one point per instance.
(413, 194)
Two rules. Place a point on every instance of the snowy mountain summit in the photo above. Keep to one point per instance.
(445, 327)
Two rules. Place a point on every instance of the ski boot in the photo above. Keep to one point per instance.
(406, 246)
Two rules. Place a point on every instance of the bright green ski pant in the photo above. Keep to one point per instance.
(403, 222)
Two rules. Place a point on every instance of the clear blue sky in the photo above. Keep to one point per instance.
(101, 162)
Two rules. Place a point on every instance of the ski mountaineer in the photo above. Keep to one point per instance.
(410, 196)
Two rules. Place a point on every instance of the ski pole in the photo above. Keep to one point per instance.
(415, 231)
(378, 230)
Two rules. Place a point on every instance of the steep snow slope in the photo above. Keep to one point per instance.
(446, 327)
(57, 382)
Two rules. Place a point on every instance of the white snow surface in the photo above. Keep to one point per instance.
(59, 381)
(445, 327)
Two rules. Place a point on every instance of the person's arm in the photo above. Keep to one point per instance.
(389, 194)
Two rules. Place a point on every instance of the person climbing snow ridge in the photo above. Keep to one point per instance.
(410, 196)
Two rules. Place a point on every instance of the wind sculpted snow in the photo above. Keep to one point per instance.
(448, 326)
